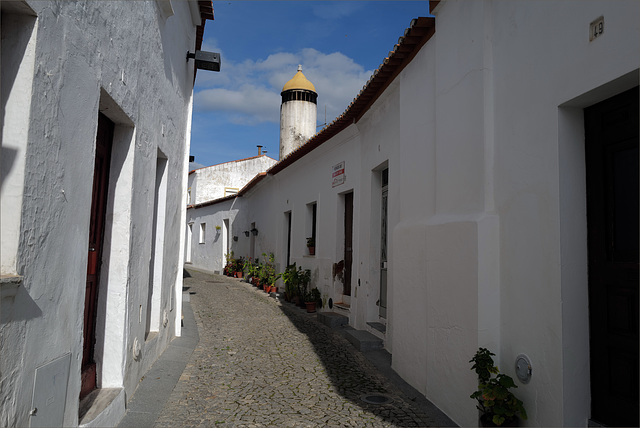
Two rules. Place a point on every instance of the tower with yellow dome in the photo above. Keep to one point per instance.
(298, 113)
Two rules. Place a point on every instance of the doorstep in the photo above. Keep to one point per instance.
(101, 408)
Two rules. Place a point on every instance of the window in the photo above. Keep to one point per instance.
(228, 191)
(312, 215)
(203, 227)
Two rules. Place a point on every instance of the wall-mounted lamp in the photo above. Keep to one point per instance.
(205, 60)
(254, 231)
(246, 233)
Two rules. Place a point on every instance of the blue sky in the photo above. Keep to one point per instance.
(338, 43)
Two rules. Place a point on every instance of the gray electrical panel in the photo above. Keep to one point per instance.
(50, 393)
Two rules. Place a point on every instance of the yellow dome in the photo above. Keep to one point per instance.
(299, 81)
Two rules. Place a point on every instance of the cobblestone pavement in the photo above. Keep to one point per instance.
(265, 363)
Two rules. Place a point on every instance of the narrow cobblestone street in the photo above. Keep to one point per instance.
(265, 363)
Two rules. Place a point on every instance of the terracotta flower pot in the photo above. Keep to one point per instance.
(486, 420)
(311, 306)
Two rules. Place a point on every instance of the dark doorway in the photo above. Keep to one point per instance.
(348, 242)
(611, 135)
(96, 230)
(384, 218)
(287, 216)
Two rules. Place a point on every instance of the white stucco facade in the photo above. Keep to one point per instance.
(483, 136)
(63, 63)
(218, 181)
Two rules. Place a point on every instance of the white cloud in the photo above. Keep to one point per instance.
(249, 92)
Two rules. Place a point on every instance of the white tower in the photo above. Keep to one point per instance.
(298, 113)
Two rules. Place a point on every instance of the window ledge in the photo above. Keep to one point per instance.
(9, 285)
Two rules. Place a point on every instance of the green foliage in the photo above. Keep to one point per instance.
(495, 401)
(483, 364)
(304, 278)
(313, 295)
(238, 264)
(267, 271)
(250, 266)
(311, 242)
(290, 278)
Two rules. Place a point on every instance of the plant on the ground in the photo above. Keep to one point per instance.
(304, 278)
(238, 264)
(496, 403)
(290, 279)
(229, 266)
(268, 274)
(250, 265)
(313, 295)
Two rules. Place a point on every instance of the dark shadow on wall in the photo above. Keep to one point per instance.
(7, 160)
(20, 307)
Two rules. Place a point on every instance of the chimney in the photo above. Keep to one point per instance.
(259, 150)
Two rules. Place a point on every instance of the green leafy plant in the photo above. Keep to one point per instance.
(250, 266)
(239, 264)
(313, 295)
(304, 278)
(290, 279)
(268, 274)
(311, 242)
(229, 267)
(496, 403)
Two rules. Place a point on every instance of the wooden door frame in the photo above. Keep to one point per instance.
(99, 196)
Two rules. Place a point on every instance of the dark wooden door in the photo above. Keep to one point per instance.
(348, 242)
(96, 229)
(611, 135)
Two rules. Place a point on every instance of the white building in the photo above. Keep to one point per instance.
(225, 179)
(459, 201)
(96, 113)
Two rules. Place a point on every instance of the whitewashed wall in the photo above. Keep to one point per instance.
(127, 61)
(209, 183)
(210, 254)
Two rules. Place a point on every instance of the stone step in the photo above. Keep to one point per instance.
(378, 326)
(363, 340)
(332, 319)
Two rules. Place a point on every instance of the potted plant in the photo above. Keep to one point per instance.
(498, 406)
(239, 266)
(290, 279)
(247, 267)
(304, 278)
(311, 299)
(311, 245)
(229, 268)
(268, 275)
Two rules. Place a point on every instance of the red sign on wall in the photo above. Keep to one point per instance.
(338, 176)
